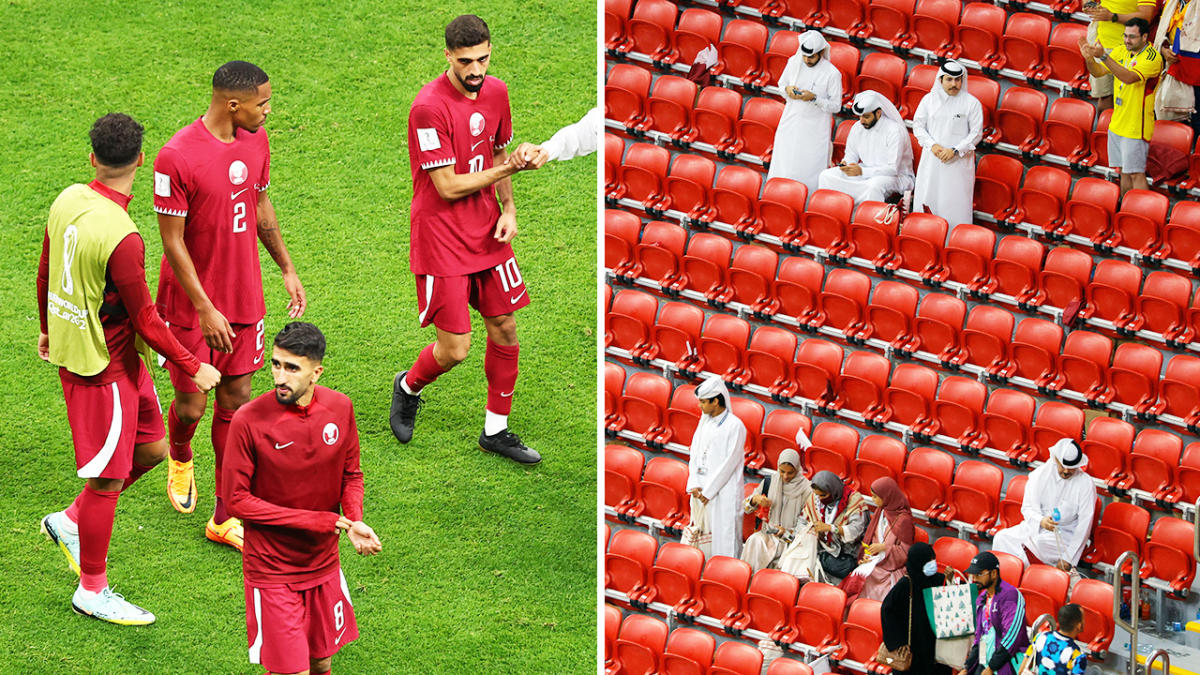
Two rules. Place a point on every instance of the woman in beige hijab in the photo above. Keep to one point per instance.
(784, 495)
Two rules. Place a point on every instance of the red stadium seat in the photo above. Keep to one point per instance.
(705, 263)
(1045, 591)
(1084, 364)
(621, 230)
(1122, 528)
(1024, 44)
(622, 475)
(717, 111)
(1063, 277)
(723, 345)
(1007, 421)
(1034, 350)
(861, 384)
(845, 57)
(1153, 462)
(785, 666)
(938, 324)
(986, 336)
(1180, 388)
(669, 107)
(1162, 307)
(987, 91)
(780, 207)
(752, 278)
(741, 49)
(683, 414)
(810, 13)
(1169, 554)
(734, 196)
(844, 300)
(1019, 117)
(1010, 505)
(640, 644)
(625, 92)
(689, 186)
(891, 20)
(1133, 375)
(675, 577)
(849, 16)
(1179, 137)
(628, 560)
(862, 632)
(612, 624)
(756, 127)
(1018, 260)
(1112, 292)
(954, 553)
(1140, 222)
(921, 80)
(878, 457)
(891, 312)
(630, 320)
(1011, 567)
(660, 252)
(798, 286)
(723, 589)
(736, 658)
(826, 219)
(926, 479)
(1069, 121)
(920, 244)
(663, 492)
(641, 176)
(872, 235)
(614, 384)
(909, 398)
(614, 149)
(1091, 209)
(996, 182)
(1189, 473)
(974, 496)
(769, 603)
(839, 140)
(616, 14)
(883, 73)
(1063, 57)
(934, 23)
(783, 46)
(688, 651)
(1055, 421)
(1100, 137)
(979, 32)
(833, 449)
(650, 28)
(751, 413)
(958, 409)
(1041, 199)
(1107, 445)
(697, 29)
(818, 615)
(1095, 597)
(642, 405)
(1182, 232)
(818, 365)
(769, 360)
(779, 433)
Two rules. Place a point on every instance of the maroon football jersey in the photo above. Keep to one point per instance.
(446, 128)
(214, 186)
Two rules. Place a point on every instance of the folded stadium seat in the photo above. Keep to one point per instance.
(839, 140)
(1140, 222)
(818, 615)
(916, 148)
(697, 29)
(926, 479)
(1162, 307)
(1096, 599)
(659, 253)
(1007, 421)
(987, 91)
(878, 457)
(669, 107)
(1112, 291)
(1193, 312)
(688, 651)
(622, 476)
(751, 413)
(920, 244)
(614, 148)
(1133, 377)
(780, 207)
(1122, 528)
(676, 334)
(1018, 260)
(862, 633)
(920, 81)
(1011, 567)
(938, 325)
(756, 128)
(785, 666)
(979, 31)
(625, 92)
(1063, 277)
(958, 409)
(616, 14)
(752, 279)
(640, 644)
(933, 26)
(1182, 232)
(974, 496)
(798, 286)
(845, 57)
(1193, 176)
(954, 553)
(861, 383)
(1024, 45)
(663, 493)
(628, 561)
(736, 658)
(722, 589)
(1188, 474)
(1010, 505)
(1169, 554)
(630, 320)
(1090, 211)
(1180, 389)
(734, 196)
(1063, 57)
(891, 20)
(810, 13)
(1045, 590)
(683, 414)
(650, 28)
(688, 187)
(848, 16)
(843, 300)
(704, 265)
(782, 47)
(769, 361)
(1019, 118)
(621, 230)
(740, 51)
(1067, 130)
(675, 577)
(1100, 137)
(1083, 366)
(1179, 137)
(890, 314)
(825, 221)
(641, 176)
(612, 624)
(833, 449)
(717, 111)
(769, 603)
(817, 367)
(1107, 445)
(614, 384)
(722, 346)
(872, 235)
(996, 183)
(1042, 198)
(778, 434)
(1034, 351)
(1153, 462)
(883, 73)
(909, 398)
(642, 405)
(986, 336)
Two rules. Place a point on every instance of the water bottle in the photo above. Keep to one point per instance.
(1056, 516)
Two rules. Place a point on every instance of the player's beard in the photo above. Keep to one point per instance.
(290, 398)
(473, 88)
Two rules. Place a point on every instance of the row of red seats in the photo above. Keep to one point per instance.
(640, 645)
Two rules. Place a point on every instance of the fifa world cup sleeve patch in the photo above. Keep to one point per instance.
(428, 139)
(162, 184)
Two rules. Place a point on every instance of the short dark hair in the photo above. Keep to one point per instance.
(1070, 616)
(302, 339)
(239, 76)
(467, 30)
(1141, 24)
(719, 398)
(116, 140)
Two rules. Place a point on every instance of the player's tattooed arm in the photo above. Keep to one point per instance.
(218, 334)
(272, 240)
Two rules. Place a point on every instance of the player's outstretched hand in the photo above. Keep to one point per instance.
(364, 539)
(506, 227)
(217, 332)
(206, 378)
(43, 347)
(295, 290)
(534, 156)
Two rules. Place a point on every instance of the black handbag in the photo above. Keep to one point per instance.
(839, 566)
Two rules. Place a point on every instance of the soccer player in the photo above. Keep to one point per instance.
(458, 129)
(93, 304)
(210, 192)
(293, 459)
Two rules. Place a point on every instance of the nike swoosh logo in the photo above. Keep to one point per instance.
(188, 504)
(476, 144)
(506, 395)
(280, 447)
(513, 301)
(258, 359)
(234, 195)
(339, 637)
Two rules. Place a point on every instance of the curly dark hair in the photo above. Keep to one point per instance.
(467, 30)
(239, 76)
(302, 339)
(116, 140)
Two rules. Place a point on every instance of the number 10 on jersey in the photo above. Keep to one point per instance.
(509, 275)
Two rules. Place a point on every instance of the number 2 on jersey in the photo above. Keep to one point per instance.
(239, 217)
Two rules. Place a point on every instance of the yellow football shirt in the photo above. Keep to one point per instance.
(1108, 32)
(1133, 104)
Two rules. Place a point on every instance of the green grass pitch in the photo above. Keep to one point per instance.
(487, 566)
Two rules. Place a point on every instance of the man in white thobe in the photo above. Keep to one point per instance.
(878, 160)
(948, 123)
(1059, 504)
(717, 455)
(812, 93)
(574, 140)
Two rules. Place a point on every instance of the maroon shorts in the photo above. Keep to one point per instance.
(443, 301)
(108, 420)
(247, 355)
(288, 624)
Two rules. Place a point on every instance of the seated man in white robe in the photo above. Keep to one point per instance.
(948, 123)
(812, 93)
(878, 161)
(1059, 504)
(717, 455)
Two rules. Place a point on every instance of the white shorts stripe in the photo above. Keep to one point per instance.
(345, 588)
(256, 648)
(93, 468)
(428, 298)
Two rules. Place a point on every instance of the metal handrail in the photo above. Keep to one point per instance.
(1037, 624)
(1196, 539)
(1166, 661)
(1134, 600)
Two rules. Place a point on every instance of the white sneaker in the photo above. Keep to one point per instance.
(54, 527)
(109, 606)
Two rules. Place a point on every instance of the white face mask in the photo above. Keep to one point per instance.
(930, 568)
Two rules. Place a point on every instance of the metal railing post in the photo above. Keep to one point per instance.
(1166, 661)
(1135, 588)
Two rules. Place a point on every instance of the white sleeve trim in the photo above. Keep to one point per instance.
(501, 146)
(441, 162)
(171, 212)
(262, 188)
